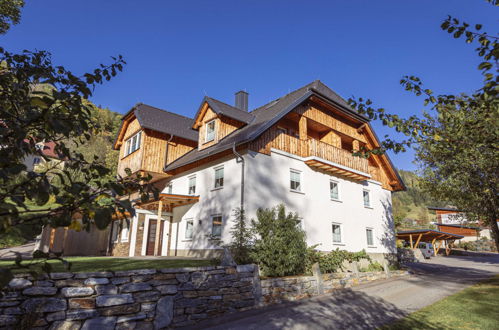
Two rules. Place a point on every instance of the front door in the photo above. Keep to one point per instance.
(151, 237)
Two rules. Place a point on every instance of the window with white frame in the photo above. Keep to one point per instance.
(189, 227)
(216, 226)
(133, 143)
(336, 228)
(367, 198)
(295, 180)
(369, 236)
(125, 231)
(219, 177)
(334, 190)
(192, 185)
(210, 131)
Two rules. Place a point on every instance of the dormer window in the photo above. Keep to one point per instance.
(210, 131)
(132, 144)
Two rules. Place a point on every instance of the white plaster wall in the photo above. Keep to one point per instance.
(267, 185)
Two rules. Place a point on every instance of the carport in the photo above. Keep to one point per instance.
(414, 237)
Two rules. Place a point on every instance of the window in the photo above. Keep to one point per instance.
(334, 190)
(36, 160)
(216, 226)
(133, 143)
(124, 231)
(282, 130)
(169, 188)
(369, 235)
(219, 177)
(210, 131)
(336, 233)
(189, 226)
(295, 180)
(192, 185)
(367, 200)
(300, 224)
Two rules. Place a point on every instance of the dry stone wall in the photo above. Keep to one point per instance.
(142, 299)
(155, 299)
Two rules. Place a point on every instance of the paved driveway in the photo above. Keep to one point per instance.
(370, 305)
(25, 250)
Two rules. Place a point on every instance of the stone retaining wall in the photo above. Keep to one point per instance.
(143, 299)
(276, 290)
(149, 298)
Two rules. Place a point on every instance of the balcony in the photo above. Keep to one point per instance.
(324, 156)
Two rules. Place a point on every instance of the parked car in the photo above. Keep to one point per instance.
(426, 249)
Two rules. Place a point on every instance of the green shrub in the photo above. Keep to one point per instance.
(374, 266)
(280, 248)
(240, 245)
(331, 262)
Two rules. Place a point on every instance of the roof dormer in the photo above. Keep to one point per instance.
(215, 120)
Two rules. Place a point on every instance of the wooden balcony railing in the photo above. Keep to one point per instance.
(312, 147)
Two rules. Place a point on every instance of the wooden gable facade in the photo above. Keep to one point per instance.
(156, 149)
(319, 131)
(223, 126)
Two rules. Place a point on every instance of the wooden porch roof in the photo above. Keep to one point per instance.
(427, 235)
(168, 201)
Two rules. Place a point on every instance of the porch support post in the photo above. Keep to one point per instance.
(417, 242)
(434, 247)
(410, 238)
(170, 224)
(158, 229)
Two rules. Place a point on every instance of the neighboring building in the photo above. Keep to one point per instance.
(454, 221)
(295, 150)
(37, 162)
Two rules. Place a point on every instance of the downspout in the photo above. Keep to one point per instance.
(240, 159)
(166, 152)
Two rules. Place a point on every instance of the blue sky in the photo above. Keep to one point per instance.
(179, 51)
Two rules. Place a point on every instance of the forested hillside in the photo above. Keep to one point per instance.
(412, 204)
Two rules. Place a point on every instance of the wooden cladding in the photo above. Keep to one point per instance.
(151, 155)
(223, 127)
(307, 148)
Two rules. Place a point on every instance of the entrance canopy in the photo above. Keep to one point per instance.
(167, 202)
(428, 236)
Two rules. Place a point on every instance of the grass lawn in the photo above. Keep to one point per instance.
(93, 264)
(476, 307)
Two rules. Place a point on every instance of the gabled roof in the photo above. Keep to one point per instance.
(224, 109)
(266, 116)
(161, 121)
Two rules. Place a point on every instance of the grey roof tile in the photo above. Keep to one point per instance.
(164, 121)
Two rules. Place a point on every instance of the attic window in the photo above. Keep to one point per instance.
(132, 144)
(210, 131)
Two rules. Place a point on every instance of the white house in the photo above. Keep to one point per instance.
(295, 150)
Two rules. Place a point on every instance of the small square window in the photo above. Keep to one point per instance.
(216, 228)
(369, 235)
(334, 190)
(336, 233)
(189, 226)
(133, 143)
(210, 131)
(367, 199)
(295, 180)
(219, 177)
(192, 185)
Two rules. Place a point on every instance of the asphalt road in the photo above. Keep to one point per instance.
(368, 306)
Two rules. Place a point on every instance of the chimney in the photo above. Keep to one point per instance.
(242, 100)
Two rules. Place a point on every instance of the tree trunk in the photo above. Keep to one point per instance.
(494, 230)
